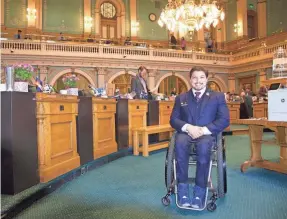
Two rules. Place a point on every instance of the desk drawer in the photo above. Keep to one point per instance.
(104, 107)
(60, 108)
(137, 107)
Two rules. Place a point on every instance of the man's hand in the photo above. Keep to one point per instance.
(194, 131)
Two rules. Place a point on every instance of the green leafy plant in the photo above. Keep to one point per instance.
(23, 72)
(70, 80)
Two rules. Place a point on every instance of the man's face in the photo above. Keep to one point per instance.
(198, 80)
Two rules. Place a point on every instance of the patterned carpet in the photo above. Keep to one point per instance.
(132, 187)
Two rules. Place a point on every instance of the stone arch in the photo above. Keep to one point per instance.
(121, 11)
(220, 83)
(175, 74)
(69, 70)
(120, 73)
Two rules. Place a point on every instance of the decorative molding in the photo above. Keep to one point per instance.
(102, 71)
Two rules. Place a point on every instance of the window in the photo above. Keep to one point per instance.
(108, 10)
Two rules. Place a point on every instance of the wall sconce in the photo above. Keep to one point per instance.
(236, 28)
(135, 25)
(88, 22)
(31, 13)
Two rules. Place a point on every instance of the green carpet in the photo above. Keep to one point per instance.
(132, 187)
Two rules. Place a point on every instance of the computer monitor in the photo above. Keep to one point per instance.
(274, 86)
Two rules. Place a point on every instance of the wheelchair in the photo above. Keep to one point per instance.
(218, 161)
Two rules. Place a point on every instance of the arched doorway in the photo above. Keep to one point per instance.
(82, 83)
(171, 82)
(108, 21)
(212, 85)
(123, 83)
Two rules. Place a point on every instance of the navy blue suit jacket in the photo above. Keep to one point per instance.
(213, 114)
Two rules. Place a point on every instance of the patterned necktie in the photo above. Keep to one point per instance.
(197, 96)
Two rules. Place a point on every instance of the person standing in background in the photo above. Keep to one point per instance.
(173, 41)
(183, 43)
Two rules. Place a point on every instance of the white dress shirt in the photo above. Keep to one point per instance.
(205, 129)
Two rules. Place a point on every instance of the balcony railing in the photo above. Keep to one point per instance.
(136, 53)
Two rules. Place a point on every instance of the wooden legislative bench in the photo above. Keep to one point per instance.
(144, 132)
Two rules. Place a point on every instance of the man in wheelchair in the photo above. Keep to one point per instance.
(198, 116)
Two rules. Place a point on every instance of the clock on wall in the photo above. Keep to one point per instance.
(152, 17)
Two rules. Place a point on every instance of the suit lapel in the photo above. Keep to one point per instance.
(191, 102)
(205, 98)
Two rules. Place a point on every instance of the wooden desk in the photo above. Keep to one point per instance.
(255, 133)
(57, 139)
(234, 110)
(165, 109)
(130, 114)
(104, 136)
(260, 110)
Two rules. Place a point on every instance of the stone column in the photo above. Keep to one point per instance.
(87, 13)
(133, 13)
(231, 82)
(31, 23)
(2, 13)
(118, 33)
(43, 73)
(262, 18)
(123, 24)
(101, 77)
(39, 21)
(221, 30)
(242, 18)
(97, 23)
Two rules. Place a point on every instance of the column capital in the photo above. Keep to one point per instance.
(231, 76)
(43, 69)
(102, 71)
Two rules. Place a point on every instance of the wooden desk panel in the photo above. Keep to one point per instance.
(130, 114)
(260, 110)
(234, 111)
(165, 109)
(137, 110)
(57, 139)
(104, 127)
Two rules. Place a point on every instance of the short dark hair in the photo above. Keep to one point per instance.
(198, 68)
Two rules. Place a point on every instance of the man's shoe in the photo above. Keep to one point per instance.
(198, 199)
(183, 195)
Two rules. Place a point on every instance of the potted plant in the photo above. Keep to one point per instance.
(70, 83)
(23, 73)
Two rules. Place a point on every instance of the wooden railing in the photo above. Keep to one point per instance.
(120, 52)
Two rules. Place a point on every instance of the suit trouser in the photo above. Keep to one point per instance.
(182, 152)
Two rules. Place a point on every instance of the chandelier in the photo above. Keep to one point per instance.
(190, 15)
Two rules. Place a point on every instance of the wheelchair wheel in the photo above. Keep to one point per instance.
(169, 170)
(221, 168)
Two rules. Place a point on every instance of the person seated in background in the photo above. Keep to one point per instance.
(198, 115)
(263, 90)
(173, 92)
(127, 41)
(18, 36)
(183, 43)
(61, 37)
(90, 39)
